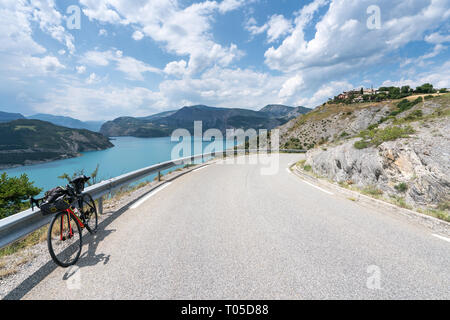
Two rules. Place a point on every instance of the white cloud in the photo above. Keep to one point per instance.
(110, 102)
(182, 31)
(438, 76)
(343, 38)
(176, 68)
(41, 66)
(291, 86)
(437, 38)
(81, 69)
(92, 79)
(276, 27)
(15, 29)
(102, 33)
(51, 22)
(137, 35)
(325, 92)
(132, 67)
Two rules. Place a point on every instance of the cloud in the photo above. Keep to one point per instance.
(102, 33)
(276, 27)
(437, 38)
(342, 36)
(110, 101)
(132, 67)
(176, 68)
(182, 31)
(15, 29)
(325, 92)
(51, 22)
(42, 66)
(291, 86)
(137, 35)
(81, 69)
(438, 76)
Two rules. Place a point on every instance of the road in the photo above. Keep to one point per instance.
(228, 232)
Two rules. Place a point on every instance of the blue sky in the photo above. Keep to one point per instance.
(137, 58)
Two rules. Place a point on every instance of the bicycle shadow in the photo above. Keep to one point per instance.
(88, 258)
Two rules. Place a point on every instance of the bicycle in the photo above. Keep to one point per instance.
(74, 211)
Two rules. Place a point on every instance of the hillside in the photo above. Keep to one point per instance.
(284, 112)
(25, 142)
(68, 122)
(221, 118)
(396, 150)
(7, 116)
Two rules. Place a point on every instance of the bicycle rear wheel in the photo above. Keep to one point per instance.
(64, 240)
(89, 213)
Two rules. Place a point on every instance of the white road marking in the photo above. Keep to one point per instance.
(199, 169)
(151, 194)
(312, 185)
(441, 237)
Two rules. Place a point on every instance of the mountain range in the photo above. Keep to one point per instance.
(163, 124)
(56, 120)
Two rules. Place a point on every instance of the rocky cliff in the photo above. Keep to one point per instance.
(395, 150)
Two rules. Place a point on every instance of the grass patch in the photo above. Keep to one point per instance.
(376, 136)
(361, 144)
(307, 168)
(440, 214)
(372, 191)
(34, 238)
(400, 201)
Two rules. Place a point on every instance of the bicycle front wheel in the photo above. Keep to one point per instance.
(64, 240)
(89, 213)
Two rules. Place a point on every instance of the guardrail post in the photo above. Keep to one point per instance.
(100, 205)
(159, 176)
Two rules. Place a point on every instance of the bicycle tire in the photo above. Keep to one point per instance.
(89, 213)
(59, 248)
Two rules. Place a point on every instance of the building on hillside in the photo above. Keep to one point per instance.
(356, 93)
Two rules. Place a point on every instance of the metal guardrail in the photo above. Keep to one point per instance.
(20, 225)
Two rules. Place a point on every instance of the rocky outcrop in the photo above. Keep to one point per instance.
(416, 168)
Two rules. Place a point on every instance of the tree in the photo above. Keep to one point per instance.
(405, 89)
(93, 180)
(425, 88)
(14, 193)
(362, 91)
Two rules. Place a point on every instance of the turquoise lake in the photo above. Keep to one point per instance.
(128, 154)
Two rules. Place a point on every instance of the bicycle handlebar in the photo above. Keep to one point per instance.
(36, 202)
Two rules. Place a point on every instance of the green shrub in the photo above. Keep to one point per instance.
(401, 187)
(415, 115)
(307, 168)
(376, 137)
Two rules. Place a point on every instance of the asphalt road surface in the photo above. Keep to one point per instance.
(229, 232)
